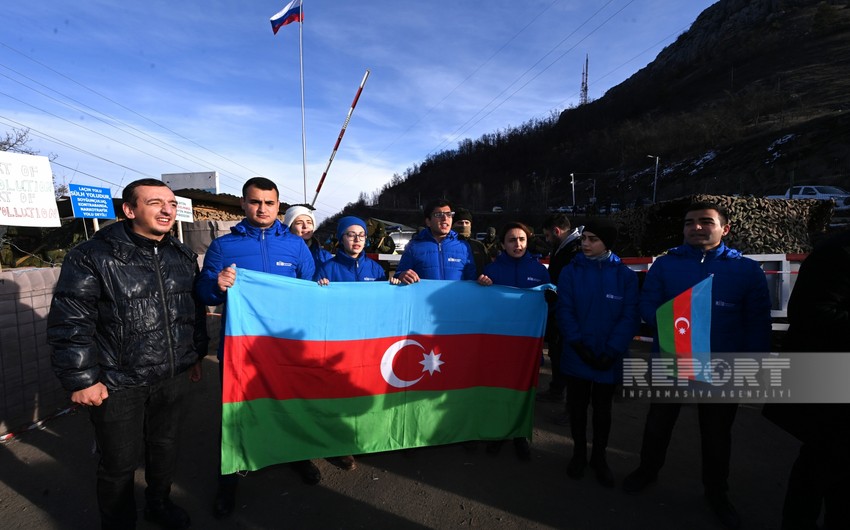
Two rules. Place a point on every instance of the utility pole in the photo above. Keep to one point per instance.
(573, 182)
(655, 180)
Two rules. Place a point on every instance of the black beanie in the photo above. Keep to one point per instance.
(462, 214)
(603, 229)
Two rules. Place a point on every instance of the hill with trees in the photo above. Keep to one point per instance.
(753, 97)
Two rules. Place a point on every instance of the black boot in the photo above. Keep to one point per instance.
(575, 469)
(166, 514)
(225, 499)
(599, 464)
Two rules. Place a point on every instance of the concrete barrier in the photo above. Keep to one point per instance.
(29, 391)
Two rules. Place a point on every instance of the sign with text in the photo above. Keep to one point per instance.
(26, 191)
(91, 202)
(184, 210)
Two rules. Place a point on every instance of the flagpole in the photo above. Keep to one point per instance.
(303, 118)
(341, 133)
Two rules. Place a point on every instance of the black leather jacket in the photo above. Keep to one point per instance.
(124, 313)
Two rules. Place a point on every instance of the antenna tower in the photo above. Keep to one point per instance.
(583, 97)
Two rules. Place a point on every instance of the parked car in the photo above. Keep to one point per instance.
(824, 193)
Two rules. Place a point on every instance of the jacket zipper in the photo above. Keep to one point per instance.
(165, 310)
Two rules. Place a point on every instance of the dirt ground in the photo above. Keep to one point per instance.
(47, 479)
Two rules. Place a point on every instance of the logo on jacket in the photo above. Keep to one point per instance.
(283, 264)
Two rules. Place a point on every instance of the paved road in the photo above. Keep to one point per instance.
(47, 480)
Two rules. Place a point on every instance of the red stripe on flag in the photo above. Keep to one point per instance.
(682, 324)
(268, 367)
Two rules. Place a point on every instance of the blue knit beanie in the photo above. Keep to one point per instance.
(347, 221)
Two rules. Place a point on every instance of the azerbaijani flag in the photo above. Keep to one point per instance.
(289, 14)
(684, 330)
(361, 367)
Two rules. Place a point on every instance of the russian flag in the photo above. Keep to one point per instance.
(684, 330)
(361, 367)
(290, 13)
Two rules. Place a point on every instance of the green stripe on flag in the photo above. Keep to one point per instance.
(264, 432)
(666, 330)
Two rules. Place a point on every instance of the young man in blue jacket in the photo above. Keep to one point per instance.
(259, 242)
(436, 252)
(740, 322)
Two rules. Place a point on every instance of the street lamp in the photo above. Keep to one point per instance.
(573, 182)
(655, 181)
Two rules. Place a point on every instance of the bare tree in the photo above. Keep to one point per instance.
(16, 142)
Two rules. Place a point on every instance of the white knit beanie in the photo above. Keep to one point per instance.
(294, 211)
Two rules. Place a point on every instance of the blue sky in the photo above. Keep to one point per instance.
(126, 90)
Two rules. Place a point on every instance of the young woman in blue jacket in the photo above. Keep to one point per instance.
(515, 267)
(597, 314)
(350, 264)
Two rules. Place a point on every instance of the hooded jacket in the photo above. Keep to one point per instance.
(123, 312)
(344, 268)
(524, 272)
(450, 259)
(275, 250)
(740, 310)
(598, 307)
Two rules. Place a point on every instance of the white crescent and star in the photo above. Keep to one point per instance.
(684, 329)
(430, 363)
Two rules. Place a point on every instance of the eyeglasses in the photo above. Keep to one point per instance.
(353, 236)
(442, 215)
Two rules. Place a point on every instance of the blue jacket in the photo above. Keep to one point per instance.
(740, 311)
(597, 306)
(344, 268)
(275, 250)
(320, 255)
(450, 259)
(524, 272)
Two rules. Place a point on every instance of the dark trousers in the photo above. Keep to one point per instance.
(819, 479)
(715, 426)
(130, 422)
(582, 393)
(556, 350)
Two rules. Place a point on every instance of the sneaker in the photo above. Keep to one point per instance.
(638, 480)
(575, 469)
(724, 510)
(522, 449)
(346, 463)
(310, 474)
(225, 500)
(167, 514)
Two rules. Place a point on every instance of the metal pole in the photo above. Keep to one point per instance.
(573, 182)
(303, 114)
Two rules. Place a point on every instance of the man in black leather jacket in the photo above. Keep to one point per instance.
(125, 328)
